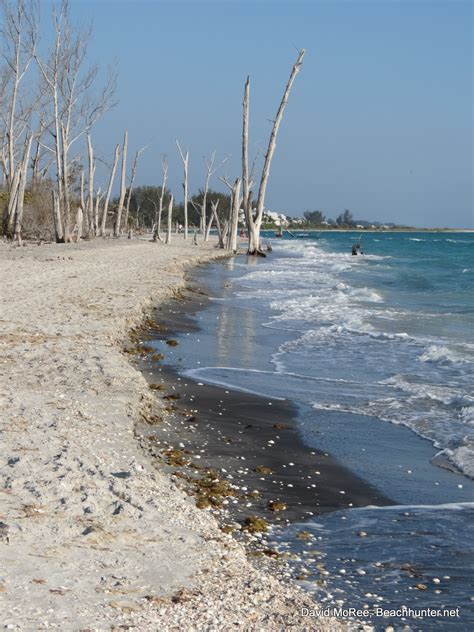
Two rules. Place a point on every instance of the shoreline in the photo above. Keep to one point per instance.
(251, 441)
(93, 535)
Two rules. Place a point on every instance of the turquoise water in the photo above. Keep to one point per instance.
(389, 334)
(377, 351)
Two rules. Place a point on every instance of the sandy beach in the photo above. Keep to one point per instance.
(93, 536)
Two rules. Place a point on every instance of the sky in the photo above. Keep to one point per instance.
(380, 119)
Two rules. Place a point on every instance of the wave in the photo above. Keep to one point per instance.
(197, 374)
(460, 506)
(441, 355)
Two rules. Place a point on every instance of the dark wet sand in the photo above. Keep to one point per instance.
(236, 432)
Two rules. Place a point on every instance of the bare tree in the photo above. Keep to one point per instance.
(75, 109)
(215, 217)
(185, 159)
(19, 36)
(20, 195)
(254, 222)
(89, 210)
(233, 220)
(109, 191)
(202, 208)
(170, 219)
(98, 198)
(123, 188)
(157, 229)
(130, 186)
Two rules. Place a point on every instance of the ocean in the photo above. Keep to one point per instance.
(377, 352)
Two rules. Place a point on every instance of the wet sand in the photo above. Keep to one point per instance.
(252, 442)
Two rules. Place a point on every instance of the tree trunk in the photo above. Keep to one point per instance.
(254, 223)
(98, 198)
(79, 223)
(157, 230)
(234, 216)
(123, 188)
(130, 187)
(214, 215)
(170, 215)
(109, 191)
(185, 159)
(21, 190)
(271, 150)
(91, 225)
(9, 212)
(58, 225)
(66, 210)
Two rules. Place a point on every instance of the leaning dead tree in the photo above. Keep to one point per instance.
(215, 217)
(185, 160)
(159, 211)
(130, 186)
(254, 219)
(109, 191)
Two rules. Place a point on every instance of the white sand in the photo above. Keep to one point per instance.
(87, 550)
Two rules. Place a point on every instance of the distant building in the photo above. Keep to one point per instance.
(279, 219)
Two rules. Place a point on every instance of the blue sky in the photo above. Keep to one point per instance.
(379, 121)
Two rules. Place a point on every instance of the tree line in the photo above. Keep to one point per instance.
(51, 98)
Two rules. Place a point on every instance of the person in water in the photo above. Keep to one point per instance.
(357, 249)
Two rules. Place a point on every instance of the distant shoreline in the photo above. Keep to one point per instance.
(376, 230)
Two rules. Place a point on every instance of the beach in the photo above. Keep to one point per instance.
(329, 396)
(93, 534)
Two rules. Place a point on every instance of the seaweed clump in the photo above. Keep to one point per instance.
(264, 470)
(176, 457)
(254, 524)
(212, 490)
(276, 506)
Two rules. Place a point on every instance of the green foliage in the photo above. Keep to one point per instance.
(143, 202)
(314, 217)
(345, 219)
(212, 196)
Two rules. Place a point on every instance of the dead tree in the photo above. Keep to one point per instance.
(123, 187)
(222, 231)
(202, 208)
(233, 219)
(170, 219)
(254, 222)
(157, 229)
(20, 195)
(213, 216)
(109, 191)
(92, 228)
(58, 224)
(185, 159)
(98, 198)
(74, 108)
(130, 186)
(18, 40)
